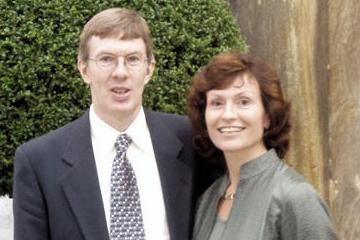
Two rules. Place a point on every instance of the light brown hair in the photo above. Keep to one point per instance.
(115, 22)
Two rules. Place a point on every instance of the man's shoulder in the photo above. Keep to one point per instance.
(58, 136)
(167, 116)
(170, 120)
(179, 126)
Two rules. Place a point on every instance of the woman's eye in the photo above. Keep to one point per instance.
(244, 102)
(215, 103)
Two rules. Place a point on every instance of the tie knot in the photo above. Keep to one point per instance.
(122, 142)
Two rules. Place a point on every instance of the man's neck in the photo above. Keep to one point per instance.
(121, 121)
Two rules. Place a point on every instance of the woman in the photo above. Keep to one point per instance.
(240, 117)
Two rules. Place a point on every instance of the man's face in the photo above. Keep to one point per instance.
(116, 89)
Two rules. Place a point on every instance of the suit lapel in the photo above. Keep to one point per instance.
(175, 176)
(81, 185)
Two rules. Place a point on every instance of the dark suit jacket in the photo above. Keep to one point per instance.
(56, 189)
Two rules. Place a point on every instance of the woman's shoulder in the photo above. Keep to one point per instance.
(211, 195)
(303, 212)
(295, 196)
(292, 186)
(207, 203)
(214, 189)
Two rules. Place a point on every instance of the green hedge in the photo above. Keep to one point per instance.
(40, 87)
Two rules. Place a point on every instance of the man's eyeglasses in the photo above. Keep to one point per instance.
(132, 62)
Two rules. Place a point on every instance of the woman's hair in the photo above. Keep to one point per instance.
(220, 72)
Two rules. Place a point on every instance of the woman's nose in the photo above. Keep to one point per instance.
(229, 111)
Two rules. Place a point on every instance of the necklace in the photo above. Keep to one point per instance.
(229, 196)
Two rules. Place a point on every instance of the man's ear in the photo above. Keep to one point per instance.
(83, 68)
(149, 71)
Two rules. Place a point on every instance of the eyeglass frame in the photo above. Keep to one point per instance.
(116, 64)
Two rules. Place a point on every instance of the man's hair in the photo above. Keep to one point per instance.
(219, 74)
(120, 23)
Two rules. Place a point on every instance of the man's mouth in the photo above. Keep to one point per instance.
(120, 90)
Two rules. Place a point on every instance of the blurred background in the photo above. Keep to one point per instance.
(315, 46)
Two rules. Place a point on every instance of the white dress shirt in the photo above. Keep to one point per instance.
(141, 156)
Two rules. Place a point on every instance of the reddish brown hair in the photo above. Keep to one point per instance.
(220, 73)
(115, 22)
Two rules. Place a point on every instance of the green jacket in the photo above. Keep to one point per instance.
(272, 202)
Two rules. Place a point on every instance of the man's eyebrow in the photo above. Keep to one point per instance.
(105, 52)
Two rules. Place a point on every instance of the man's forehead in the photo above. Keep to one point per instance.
(115, 45)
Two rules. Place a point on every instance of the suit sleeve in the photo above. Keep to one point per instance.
(30, 214)
(305, 216)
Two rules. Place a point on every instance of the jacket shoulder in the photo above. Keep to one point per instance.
(57, 138)
(291, 184)
(303, 212)
(178, 124)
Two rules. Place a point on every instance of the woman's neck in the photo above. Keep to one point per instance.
(236, 159)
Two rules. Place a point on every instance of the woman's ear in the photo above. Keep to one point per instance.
(266, 122)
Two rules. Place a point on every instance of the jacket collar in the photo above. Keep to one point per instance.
(80, 183)
(175, 175)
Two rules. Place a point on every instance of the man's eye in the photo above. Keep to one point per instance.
(107, 59)
(133, 59)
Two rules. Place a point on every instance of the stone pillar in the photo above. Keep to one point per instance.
(344, 98)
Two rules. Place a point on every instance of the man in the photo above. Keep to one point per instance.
(67, 183)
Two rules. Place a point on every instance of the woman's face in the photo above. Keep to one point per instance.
(235, 117)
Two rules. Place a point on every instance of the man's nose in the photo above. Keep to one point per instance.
(120, 68)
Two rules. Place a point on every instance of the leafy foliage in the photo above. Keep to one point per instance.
(40, 87)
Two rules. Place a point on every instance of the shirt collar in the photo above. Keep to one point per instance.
(106, 135)
(102, 133)
(138, 131)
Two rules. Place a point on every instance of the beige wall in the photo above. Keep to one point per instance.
(315, 45)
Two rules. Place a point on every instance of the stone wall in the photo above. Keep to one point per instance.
(315, 45)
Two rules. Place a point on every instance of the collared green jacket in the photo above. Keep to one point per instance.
(272, 202)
